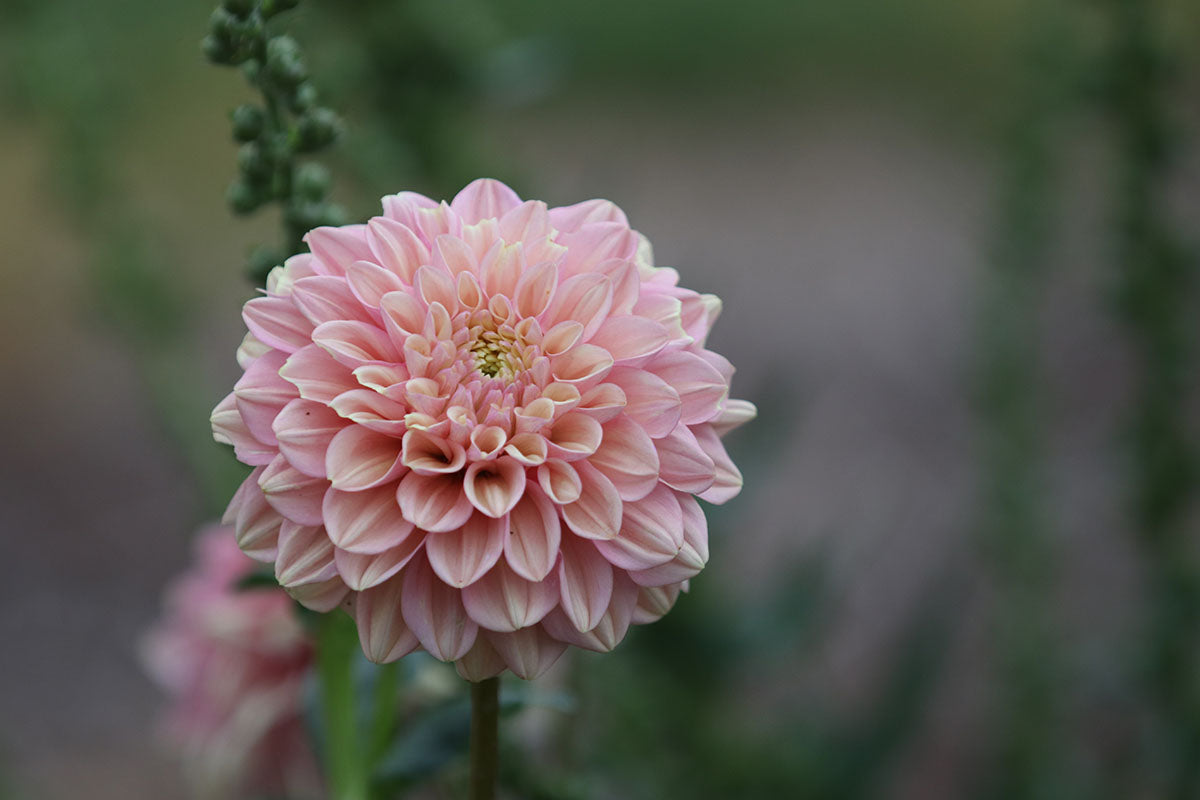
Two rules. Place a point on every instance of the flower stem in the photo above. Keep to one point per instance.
(344, 763)
(485, 750)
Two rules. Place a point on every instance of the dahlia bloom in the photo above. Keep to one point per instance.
(234, 663)
(483, 426)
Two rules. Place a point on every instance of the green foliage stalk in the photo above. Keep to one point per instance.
(1157, 300)
(1016, 543)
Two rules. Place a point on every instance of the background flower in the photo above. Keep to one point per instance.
(487, 422)
(234, 662)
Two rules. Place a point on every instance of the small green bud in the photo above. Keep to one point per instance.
(312, 181)
(264, 259)
(255, 166)
(240, 8)
(306, 215)
(217, 50)
(247, 123)
(283, 61)
(272, 7)
(252, 29)
(251, 68)
(244, 198)
(334, 215)
(304, 98)
(316, 129)
(223, 25)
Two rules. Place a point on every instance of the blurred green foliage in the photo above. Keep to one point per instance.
(1158, 296)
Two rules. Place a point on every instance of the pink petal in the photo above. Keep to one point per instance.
(585, 583)
(728, 481)
(382, 632)
(320, 597)
(304, 430)
(338, 248)
(571, 218)
(427, 454)
(366, 522)
(359, 458)
(484, 198)
(481, 238)
(276, 321)
(292, 493)
(597, 512)
(371, 410)
(316, 375)
(562, 337)
(255, 522)
(452, 255)
(649, 400)
(403, 206)
(528, 221)
(603, 401)
(435, 285)
(692, 556)
(683, 464)
(701, 388)
(305, 555)
(355, 343)
(585, 299)
(229, 428)
(480, 663)
(733, 414)
(535, 288)
(260, 394)
(651, 532)
(431, 223)
(626, 285)
(501, 268)
(609, 629)
(434, 612)
(528, 448)
(494, 487)
(433, 502)
(369, 282)
(630, 338)
(528, 652)
(502, 600)
(560, 481)
(403, 315)
(363, 570)
(627, 457)
(460, 557)
(666, 311)
(325, 299)
(654, 602)
(396, 247)
(582, 363)
(595, 242)
(531, 549)
(574, 436)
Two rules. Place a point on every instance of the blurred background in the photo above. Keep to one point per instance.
(956, 244)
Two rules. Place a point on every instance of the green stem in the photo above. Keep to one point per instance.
(485, 749)
(344, 759)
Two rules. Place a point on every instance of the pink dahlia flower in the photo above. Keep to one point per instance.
(234, 663)
(483, 423)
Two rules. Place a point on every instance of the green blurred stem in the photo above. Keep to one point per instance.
(383, 719)
(485, 739)
(345, 765)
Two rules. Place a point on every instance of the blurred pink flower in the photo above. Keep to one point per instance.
(234, 663)
(483, 424)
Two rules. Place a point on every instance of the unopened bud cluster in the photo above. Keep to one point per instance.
(289, 124)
